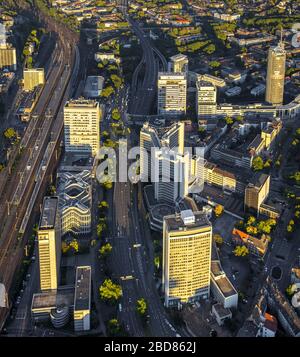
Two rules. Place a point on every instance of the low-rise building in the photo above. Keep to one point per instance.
(221, 313)
(221, 287)
(93, 87)
(257, 246)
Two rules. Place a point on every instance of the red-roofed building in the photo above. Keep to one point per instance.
(269, 327)
(256, 246)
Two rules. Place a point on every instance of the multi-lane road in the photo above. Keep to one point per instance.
(143, 94)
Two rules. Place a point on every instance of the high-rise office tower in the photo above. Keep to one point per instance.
(8, 57)
(156, 136)
(178, 64)
(187, 240)
(82, 126)
(206, 104)
(33, 78)
(256, 192)
(172, 89)
(49, 243)
(171, 173)
(276, 75)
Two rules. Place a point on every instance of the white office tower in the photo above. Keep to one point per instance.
(171, 175)
(206, 103)
(187, 240)
(82, 126)
(179, 64)
(49, 239)
(172, 88)
(156, 135)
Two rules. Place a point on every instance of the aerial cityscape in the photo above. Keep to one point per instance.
(150, 169)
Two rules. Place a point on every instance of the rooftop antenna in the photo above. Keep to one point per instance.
(281, 37)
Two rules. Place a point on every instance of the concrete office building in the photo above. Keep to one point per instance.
(82, 126)
(8, 57)
(276, 75)
(82, 298)
(256, 192)
(171, 175)
(33, 78)
(187, 241)
(172, 88)
(155, 136)
(206, 103)
(49, 244)
(178, 64)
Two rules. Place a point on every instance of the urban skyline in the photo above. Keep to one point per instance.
(149, 169)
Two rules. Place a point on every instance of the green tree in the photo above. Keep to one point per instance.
(241, 251)
(108, 91)
(214, 64)
(218, 239)
(289, 290)
(141, 306)
(103, 205)
(114, 327)
(105, 250)
(257, 163)
(219, 209)
(229, 120)
(101, 228)
(110, 291)
(10, 133)
(157, 262)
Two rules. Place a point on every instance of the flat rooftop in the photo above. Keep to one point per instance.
(82, 299)
(225, 286)
(63, 296)
(83, 103)
(178, 57)
(258, 180)
(216, 268)
(48, 216)
(175, 222)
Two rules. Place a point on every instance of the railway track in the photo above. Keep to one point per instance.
(10, 243)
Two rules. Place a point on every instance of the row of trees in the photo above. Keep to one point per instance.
(257, 227)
